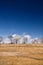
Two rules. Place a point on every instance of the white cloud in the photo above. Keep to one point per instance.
(30, 40)
(21, 40)
(13, 35)
(21, 37)
(28, 36)
(16, 36)
(6, 40)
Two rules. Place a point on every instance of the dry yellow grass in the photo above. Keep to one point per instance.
(27, 54)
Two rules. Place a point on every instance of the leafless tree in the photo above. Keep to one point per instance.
(42, 40)
(1, 39)
(16, 37)
(11, 39)
(25, 39)
(35, 41)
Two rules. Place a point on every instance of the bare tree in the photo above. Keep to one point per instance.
(11, 39)
(42, 40)
(25, 39)
(1, 39)
(35, 41)
(16, 37)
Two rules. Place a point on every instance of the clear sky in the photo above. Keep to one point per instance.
(19, 16)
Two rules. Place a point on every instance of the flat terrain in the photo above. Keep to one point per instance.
(21, 54)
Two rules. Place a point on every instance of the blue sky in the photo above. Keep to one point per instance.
(21, 16)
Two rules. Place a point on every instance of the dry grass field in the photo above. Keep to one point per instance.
(21, 54)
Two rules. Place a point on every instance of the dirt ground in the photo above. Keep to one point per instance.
(21, 54)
